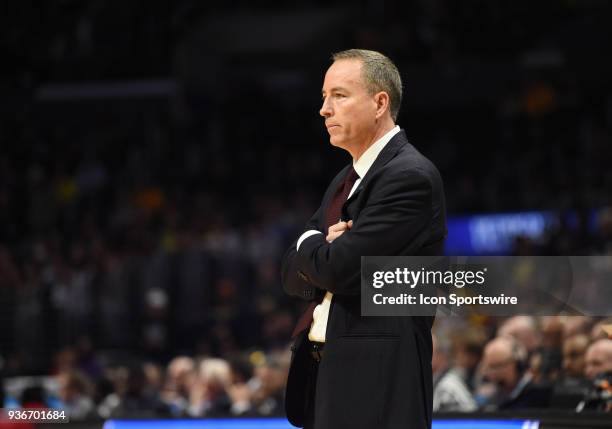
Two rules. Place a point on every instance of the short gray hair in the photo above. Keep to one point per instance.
(379, 74)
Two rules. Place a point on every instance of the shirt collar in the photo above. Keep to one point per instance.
(366, 160)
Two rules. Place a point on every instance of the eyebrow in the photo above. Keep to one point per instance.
(334, 89)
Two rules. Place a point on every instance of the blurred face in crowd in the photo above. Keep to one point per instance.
(71, 385)
(523, 329)
(352, 114)
(574, 349)
(598, 358)
(215, 376)
(180, 375)
(466, 358)
(438, 359)
(272, 378)
(65, 390)
(575, 325)
(552, 332)
(467, 349)
(602, 329)
(499, 366)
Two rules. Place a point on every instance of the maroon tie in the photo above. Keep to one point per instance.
(332, 217)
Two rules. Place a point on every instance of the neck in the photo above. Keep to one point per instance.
(383, 128)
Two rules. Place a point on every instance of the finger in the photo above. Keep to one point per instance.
(340, 226)
(332, 236)
(349, 224)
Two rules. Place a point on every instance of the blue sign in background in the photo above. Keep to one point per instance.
(494, 234)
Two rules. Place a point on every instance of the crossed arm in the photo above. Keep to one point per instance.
(393, 221)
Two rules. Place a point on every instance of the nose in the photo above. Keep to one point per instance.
(326, 110)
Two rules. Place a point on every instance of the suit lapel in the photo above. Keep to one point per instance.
(385, 155)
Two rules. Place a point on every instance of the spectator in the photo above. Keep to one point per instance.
(598, 370)
(572, 386)
(240, 390)
(154, 377)
(180, 378)
(6, 423)
(133, 399)
(450, 391)
(599, 329)
(598, 358)
(467, 351)
(208, 395)
(524, 329)
(574, 351)
(33, 397)
(510, 386)
(546, 360)
(75, 392)
(574, 325)
(268, 396)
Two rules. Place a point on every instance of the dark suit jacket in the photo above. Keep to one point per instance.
(376, 371)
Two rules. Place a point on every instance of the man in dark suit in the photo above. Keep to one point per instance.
(350, 371)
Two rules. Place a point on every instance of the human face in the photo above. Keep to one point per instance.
(598, 361)
(499, 368)
(573, 356)
(350, 111)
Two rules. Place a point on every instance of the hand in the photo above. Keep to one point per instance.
(337, 230)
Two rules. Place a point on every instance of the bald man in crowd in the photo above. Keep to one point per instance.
(524, 329)
(504, 367)
(598, 358)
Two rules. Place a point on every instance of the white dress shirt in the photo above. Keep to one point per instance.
(361, 166)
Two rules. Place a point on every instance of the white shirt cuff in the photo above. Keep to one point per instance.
(306, 235)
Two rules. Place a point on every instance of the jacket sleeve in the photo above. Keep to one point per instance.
(294, 282)
(394, 221)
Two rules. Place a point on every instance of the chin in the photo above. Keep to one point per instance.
(336, 142)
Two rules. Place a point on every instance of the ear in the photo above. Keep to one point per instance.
(382, 104)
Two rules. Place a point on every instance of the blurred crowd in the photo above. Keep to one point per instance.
(87, 387)
(523, 362)
(518, 363)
